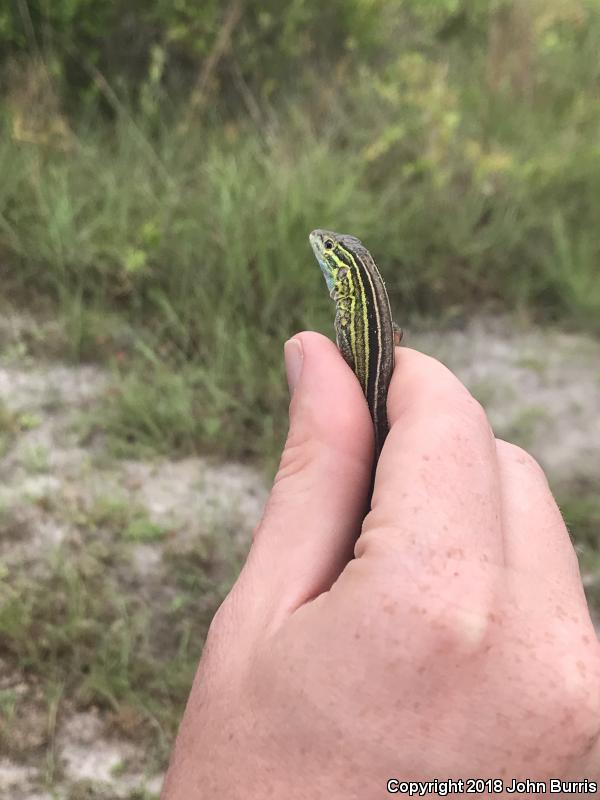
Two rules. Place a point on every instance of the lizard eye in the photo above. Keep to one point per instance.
(328, 244)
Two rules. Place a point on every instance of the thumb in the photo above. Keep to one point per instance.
(315, 510)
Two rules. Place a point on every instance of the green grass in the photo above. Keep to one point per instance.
(12, 423)
(117, 514)
(180, 257)
(88, 790)
(84, 629)
(36, 459)
(89, 631)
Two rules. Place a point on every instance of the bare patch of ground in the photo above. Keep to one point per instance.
(89, 754)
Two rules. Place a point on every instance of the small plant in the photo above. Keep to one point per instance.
(36, 459)
(118, 515)
(142, 529)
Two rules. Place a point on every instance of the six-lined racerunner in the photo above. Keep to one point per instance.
(365, 332)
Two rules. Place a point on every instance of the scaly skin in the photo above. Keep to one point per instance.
(364, 328)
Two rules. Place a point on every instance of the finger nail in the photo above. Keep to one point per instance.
(294, 358)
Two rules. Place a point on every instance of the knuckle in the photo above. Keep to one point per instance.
(468, 408)
(297, 455)
(294, 478)
(464, 631)
(459, 630)
(521, 457)
(462, 423)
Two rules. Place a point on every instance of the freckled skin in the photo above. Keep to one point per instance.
(336, 663)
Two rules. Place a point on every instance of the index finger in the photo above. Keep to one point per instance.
(437, 484)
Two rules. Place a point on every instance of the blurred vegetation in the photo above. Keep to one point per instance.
(86, 630)
(163, 164)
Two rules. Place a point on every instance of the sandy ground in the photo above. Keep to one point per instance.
(541, 389)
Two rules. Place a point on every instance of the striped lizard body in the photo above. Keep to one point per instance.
(365, 332)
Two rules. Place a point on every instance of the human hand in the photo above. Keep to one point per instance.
(456, 644)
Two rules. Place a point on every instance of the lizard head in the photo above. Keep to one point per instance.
(333, 251)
